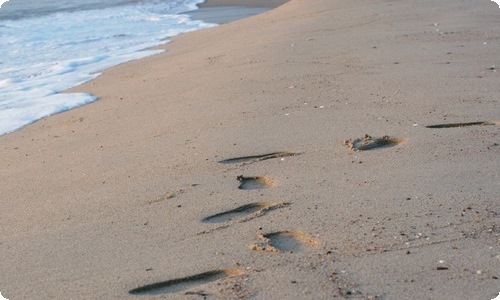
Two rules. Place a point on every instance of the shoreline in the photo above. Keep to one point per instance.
(246, 3)
(221, 164)
(225, 11)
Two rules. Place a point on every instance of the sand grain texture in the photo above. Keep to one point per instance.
(90, 201)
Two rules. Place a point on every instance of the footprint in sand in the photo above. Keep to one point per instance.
(182, 284)
(166, 196)
(285, 241)
(452, 125)
(257, 158)
(246, 212)
(369, 143)
(254, 182)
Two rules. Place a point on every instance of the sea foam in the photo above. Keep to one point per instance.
(44, 55)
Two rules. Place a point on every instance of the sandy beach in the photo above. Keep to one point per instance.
(323, 149)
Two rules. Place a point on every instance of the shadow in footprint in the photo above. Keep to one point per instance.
(369, 143)
(257, 158)
(453, 125)
(250, 211)
(254, 182)
(181, 284)
(285, 241)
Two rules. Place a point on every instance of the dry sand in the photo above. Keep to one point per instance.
(126, 198)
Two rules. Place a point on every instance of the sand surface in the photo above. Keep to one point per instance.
(136, 196)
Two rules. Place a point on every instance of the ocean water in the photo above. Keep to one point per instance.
(47, 46)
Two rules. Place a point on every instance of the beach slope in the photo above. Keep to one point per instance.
(323, 149)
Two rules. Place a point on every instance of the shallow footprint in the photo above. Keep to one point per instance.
(285, 241)
(369, 143)
(254, 182)
(181, 284)
(166, 196)
(453, 125)
(251, 211)
(257, 158)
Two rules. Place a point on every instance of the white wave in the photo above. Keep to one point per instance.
(45, 55)
(2, 2)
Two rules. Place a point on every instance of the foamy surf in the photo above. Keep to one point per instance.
(47, 52)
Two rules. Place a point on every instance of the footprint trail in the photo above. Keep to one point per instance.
(245, 213)
(254, 182)
(256, 158)
(453, 125)
(285, 241)
(181, 284)
(369, 143)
